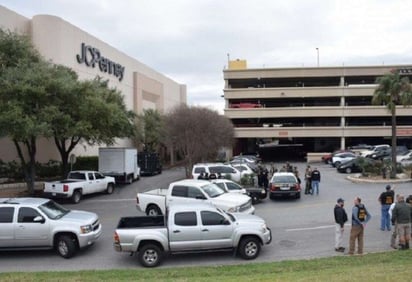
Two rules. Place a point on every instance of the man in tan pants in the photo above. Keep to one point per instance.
(360, 216)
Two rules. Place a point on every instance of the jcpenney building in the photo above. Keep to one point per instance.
(63, 43)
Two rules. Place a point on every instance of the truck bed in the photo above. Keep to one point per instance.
(141, 222)
(159, 192)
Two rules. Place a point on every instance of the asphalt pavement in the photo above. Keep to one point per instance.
(302, 229)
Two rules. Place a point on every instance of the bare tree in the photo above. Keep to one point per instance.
(197, 134)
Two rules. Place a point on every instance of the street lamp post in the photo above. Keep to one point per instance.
(317, 51)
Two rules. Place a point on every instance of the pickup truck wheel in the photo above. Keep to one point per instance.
(65, 246)
(110, 188)
(153, 210)
(249, 248)
(76, 197)
(150, 255)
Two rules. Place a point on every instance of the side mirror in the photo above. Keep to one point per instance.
(39, 219)
(201, 197)
(226, 222)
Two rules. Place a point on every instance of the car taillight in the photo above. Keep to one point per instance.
(273, 187)
(65, 188)
(116, 238)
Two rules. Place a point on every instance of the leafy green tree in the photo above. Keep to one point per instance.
(87, 111)
(392, 90)
(151, 129)
(24, 112)
(197, 133)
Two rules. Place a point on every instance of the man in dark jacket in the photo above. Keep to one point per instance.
(315, 180)
(340, 218)
(402, 215)
(386, 199)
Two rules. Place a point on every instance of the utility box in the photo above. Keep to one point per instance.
(149, 163)
(120, 163)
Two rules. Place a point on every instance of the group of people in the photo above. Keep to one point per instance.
(312, 180)
(393, 213)
(360, 216)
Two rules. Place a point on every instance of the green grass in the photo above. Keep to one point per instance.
(388, 266)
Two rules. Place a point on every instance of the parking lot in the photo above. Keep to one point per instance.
(301, 229)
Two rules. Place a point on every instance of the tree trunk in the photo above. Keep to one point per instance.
(393, 151)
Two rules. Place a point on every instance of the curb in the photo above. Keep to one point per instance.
(356, 179)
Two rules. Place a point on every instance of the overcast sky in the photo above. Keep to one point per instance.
(189, 40)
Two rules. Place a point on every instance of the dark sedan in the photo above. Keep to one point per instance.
(354, 165)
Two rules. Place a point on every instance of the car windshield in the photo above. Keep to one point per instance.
(283, 179)
(53, 210)
(213, 190)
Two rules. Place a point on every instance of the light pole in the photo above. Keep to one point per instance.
(317, 51)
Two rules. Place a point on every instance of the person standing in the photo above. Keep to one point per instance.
(315, 180)
(386, 199)
(395, 227)
(360, 216)
(340, 218)
(308, 183)
(401, 215)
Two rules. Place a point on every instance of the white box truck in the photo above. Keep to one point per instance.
(120, 163)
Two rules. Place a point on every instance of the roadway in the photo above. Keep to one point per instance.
(301, 229)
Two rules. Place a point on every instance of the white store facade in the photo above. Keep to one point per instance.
(63, 43)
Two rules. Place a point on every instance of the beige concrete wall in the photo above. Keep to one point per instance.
(60, 42)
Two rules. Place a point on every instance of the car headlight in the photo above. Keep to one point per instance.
(86, 229)
(264, 227)
(234, 209)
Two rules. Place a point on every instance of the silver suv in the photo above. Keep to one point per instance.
(37, 223)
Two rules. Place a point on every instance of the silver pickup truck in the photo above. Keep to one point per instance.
(190, 228)
(37, 223)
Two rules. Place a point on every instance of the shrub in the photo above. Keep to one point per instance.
(86, 163)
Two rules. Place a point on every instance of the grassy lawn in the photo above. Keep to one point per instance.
(388, 266)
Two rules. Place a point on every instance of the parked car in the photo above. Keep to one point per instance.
(190, 191)
(381, 154)
(406, 162)
(224, 170)
(245, 169)
(354, 165)
(79, 183)
(375, 149)
(404, 156)
(284, 184)
(256, 193)
(249, 157)
(190, 228)
(340, 158)
(38, 223)
(327, 159)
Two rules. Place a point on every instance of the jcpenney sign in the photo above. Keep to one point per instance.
(91, 57)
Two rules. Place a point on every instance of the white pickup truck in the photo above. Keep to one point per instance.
(37, 223)
(189, 191)
(79, 183)
(191, 228)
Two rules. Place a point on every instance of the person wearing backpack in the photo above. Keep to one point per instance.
(360, 216)
(386, 199)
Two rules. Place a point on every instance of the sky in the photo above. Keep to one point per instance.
(190, 41)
